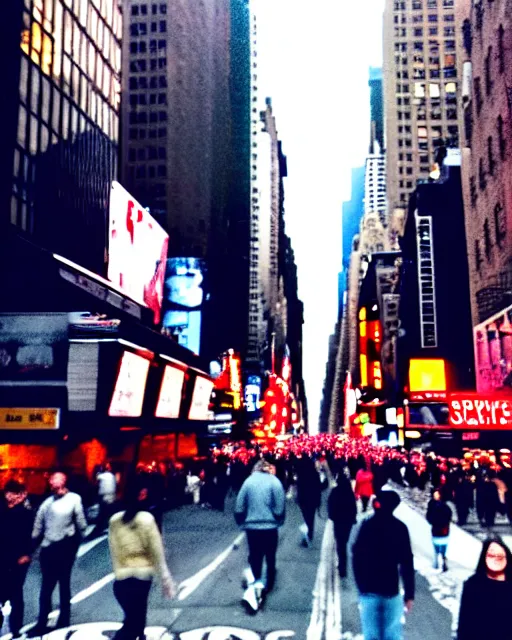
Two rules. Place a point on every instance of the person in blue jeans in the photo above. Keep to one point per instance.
(380, 556)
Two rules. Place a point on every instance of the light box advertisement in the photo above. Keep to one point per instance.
(169, 400)
(200, 399)
(128, 396)
(137, 251)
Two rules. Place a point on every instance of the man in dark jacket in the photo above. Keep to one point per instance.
(381, 553)
(342, 510)
(16, 546)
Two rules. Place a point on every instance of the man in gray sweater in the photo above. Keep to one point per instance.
(59, 527)
(260, 511)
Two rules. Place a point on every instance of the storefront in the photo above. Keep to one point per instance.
(85, 375)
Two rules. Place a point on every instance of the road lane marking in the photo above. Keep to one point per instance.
(316, 624)
(87, 546)
(188, 586)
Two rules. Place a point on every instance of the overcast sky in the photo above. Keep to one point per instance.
(313, 62)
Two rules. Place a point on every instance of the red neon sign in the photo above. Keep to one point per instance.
(480, 412)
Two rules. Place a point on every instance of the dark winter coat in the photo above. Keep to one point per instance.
(382, 550)
(15, 533)
(309, 486)
(341, 505)
(485, 609)
(439, 515)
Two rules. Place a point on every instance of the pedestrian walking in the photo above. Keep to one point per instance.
(439, 516)
(464, 499)
(17, 520)
(487, 594)
(59, 527)
(364, 486)
(309, 496)
(342, 510)
(381, 554)
(260, 511)
(107, 490)
(137, 553)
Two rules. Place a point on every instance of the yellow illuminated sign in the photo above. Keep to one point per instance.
(427, 375)
(364, 370)
(29, 418)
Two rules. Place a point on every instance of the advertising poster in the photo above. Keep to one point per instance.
(183, 299)
(137, 251)
(252, 394)
(33, 346)
(169, 400)
(201, 399)
(128, 396)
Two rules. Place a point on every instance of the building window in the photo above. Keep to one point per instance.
(479, 10)
(482, 181)
(501, 136)
(472, 191)
(490, 155)
(487, 240)
(500, 224)
(478, 255)
(501, 49)
(488, 79)
(467, 36)
(478, 95)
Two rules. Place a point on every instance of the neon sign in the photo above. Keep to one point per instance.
(481, 412)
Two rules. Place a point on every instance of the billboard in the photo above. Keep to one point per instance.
(130, 386)
(426, 375)
(476, 411)
(183, 299)
(493, 353)
(252, 393)
(137, 251)
(169, 399)
(33, 346)
(200, 399)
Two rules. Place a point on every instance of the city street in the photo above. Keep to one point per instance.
(207, 555)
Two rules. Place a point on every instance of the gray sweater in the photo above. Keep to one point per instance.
(260, 503)
(59, 518)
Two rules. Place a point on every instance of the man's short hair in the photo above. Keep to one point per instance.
(13, 486)
(388, 501)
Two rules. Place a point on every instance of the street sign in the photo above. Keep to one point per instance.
(29, 418)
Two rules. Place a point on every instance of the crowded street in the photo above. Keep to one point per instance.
(207, 556)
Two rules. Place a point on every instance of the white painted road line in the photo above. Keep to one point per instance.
(318, 610)
(87, 546)
(188, 586)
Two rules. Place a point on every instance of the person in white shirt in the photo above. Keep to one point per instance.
(59, 526)
(107, 489)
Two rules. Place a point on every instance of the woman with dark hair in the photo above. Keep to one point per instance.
(439, 515)
(137, 554)
(309, 496)
(486, 596)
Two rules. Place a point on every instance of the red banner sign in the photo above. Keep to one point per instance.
(480, 412)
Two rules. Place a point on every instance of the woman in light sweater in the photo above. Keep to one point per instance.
(137, 553)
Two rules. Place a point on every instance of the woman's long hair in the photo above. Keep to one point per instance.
(481, 568)
(133, 504)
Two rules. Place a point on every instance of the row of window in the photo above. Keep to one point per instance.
(135, 133)
(500, 232)
(142, 9)
(141, 29)
(401, 32)
(141, 66)
(144, 117)
(418, 5)
(144, 99)
(153, 82)
(433, 46)
(150, 152)
(142, 46)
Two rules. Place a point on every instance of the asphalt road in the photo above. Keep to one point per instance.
(207, 555)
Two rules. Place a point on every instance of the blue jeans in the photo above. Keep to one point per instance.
(381, 616)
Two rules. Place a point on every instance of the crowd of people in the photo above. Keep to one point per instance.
(352, 470)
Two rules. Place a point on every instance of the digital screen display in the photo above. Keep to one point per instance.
(200, 399)
(137, 251)
(169, 400)
(252, 393)
(128, 396)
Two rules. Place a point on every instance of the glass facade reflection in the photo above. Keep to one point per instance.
(64, 145)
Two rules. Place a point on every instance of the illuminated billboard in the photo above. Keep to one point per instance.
(137, 251)
(183, 299)
(476, 411)
(252, 393)
(130, 386)
(169, 399)
(493, 353)
(426, 375)
(200, 399)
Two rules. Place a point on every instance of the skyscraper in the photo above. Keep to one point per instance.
(421, 90)
(60, 123)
